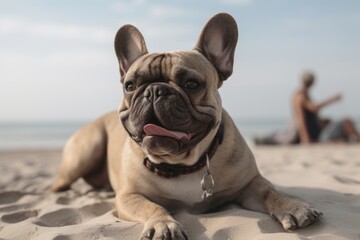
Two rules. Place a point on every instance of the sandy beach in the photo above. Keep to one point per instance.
(326, 176)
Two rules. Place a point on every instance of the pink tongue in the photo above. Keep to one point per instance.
(155, 130)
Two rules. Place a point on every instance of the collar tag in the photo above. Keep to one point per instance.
(207, 181)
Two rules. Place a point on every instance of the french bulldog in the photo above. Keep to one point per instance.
(171, 145)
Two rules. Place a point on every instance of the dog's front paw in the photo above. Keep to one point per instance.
(294, 214)
(163, 230)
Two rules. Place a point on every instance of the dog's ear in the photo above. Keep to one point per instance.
(217, 42)
(129, 46)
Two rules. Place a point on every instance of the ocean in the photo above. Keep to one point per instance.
(48, 135)
(53, 135)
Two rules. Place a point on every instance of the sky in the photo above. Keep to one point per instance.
(57, 60)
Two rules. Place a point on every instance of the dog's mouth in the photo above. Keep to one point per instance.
(161, 141)
(156, 130)
(158, 139)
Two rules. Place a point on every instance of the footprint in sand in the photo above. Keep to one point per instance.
(71, 216)
(16, 207)
(10, 197)
(59, 218)
(337, 162)
(96, 209)
(306, 164)
(19, 216)
(62, 237)
(346, 180)
(63, 200)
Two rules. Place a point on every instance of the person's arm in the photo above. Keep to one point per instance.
(315, 107)
(300, 119)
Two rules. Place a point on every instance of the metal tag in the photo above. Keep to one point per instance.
(207, 182)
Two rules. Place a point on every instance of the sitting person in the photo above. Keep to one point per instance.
(307, 126)
(310, 127)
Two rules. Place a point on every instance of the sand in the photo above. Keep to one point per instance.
(326, 176)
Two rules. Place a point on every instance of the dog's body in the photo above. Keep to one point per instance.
(177, 91)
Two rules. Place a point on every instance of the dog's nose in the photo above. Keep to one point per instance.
(156, 91)
(161, 91)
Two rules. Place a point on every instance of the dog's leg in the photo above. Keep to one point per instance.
(159, 224)
(83, 156)
(260, 195)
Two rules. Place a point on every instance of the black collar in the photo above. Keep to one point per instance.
(167, 170)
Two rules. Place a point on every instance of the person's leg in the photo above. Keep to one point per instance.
(350, 130)
(333, 132)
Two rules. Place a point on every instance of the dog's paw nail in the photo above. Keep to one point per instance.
(274, 218)
(294, 222)
(184, 235)
(318, 213)
(149, 234)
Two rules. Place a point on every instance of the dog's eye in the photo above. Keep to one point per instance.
(130, 86)
(191, 84)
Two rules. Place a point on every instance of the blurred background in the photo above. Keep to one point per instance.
(58, 69)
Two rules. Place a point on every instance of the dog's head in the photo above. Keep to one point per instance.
(171, 104)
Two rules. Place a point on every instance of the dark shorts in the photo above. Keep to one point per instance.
(332, 132)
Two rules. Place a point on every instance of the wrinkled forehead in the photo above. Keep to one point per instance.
(173, 65)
